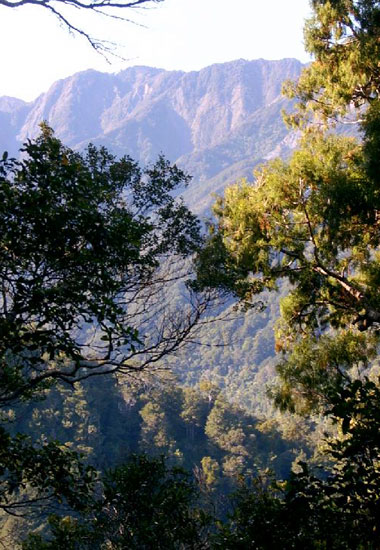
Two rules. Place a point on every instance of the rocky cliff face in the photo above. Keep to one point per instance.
(217, 123)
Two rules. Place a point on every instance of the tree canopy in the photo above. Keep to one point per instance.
(343, 37)
(311, 225)
(313, 219)
(89, 247)
(143, 504)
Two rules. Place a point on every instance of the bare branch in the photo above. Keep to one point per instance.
(100, 7)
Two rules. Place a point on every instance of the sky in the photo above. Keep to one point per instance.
(175, 34)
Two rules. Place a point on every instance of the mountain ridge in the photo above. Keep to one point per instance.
(225, 115)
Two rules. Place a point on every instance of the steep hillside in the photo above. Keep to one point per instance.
(217, 123)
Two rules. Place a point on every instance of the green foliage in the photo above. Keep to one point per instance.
(261, 520)
(196, 428)
(337, 511)
(297, 223)
(313, 220)
(144, 504)
(354, 484)
(48, 471)
(83, 237)
(66, 534)
(153, 506)
(84, 241)
(318, 368)
(342, 36)
(308, 226)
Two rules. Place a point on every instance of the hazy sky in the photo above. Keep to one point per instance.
(177, 34)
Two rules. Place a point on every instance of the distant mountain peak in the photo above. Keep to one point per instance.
(10, 104)
(215, 122)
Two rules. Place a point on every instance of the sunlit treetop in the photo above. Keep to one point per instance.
(314, 219)
(343, 36)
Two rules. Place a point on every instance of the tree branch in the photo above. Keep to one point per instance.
(100, 7)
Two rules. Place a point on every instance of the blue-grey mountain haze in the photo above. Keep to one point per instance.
(216, 123)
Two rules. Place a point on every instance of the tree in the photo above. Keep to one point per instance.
(313, 220)
(342, 35)
(90, 252)
(34, 476)
(262, 519)
(90, 248)
(144, 504)
(339, 510)
(65, 10)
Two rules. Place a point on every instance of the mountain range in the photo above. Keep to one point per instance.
(216, 123)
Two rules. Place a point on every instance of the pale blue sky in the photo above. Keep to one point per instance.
(177, 34)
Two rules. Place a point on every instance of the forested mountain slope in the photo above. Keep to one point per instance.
(217, 123)
(95, 255)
